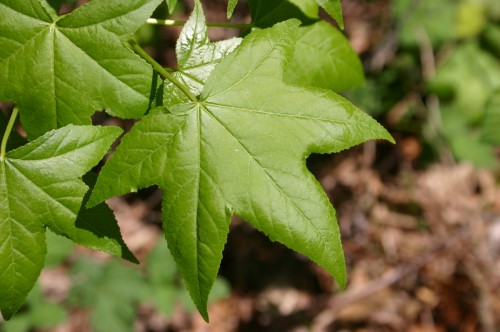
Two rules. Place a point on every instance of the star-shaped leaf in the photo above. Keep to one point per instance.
(60, 70)
(241, 149)
(196, 57)
(40, 186)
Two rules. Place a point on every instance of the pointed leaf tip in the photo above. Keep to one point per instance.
(231, 5)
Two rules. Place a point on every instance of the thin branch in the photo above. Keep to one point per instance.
(209, 24)
(8, 130)
(162, 71)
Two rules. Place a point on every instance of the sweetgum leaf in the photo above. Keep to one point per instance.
(60, 70)
(196, 57)
(40, 186)
(324, 58)
(241, 150)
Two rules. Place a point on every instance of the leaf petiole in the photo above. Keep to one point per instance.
(8, 130)
(162, 71)
(155, 21)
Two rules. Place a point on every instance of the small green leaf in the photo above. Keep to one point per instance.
(58, 249)
(40, 314)
(61, 70)
(196, 57)
(241, 150)
(40, 186)
(436, 18)
(491, 123)
(324, 58)
(466, 81)
(111, 291)
(465, 141)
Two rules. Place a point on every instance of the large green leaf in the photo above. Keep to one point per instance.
(324, 58)
(241, 149)
(40, 186)
(60, 70)
(196, 57)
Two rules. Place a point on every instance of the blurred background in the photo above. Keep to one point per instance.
(420, 220)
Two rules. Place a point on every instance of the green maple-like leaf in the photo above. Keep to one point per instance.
(241, 149)
(60, 70)
(196, 57)
(40, 186)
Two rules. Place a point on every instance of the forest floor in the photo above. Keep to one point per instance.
(422, 249)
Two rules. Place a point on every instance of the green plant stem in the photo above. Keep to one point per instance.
(209, 24)
(8, 130)
(162, 71)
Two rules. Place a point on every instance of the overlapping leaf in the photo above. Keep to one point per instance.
(324, 58)
(196, 57)
(40, 186)
(265, 12)
(241, 150)
(60, 70)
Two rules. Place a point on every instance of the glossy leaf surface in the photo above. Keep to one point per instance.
(40, 185)
(60, 70)
(241, 149)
